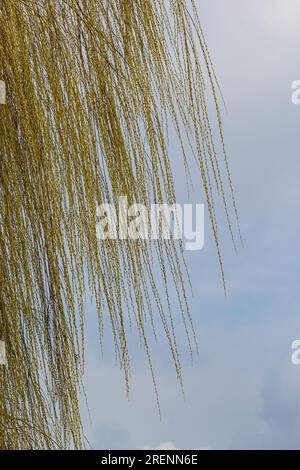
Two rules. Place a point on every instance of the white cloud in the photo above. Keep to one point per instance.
(282, 15)
(171, 446)
(162, 446)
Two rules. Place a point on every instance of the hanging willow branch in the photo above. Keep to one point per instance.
(90, 88)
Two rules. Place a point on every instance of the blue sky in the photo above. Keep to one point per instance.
(242, 391)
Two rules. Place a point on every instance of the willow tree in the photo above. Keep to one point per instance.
(91, 88)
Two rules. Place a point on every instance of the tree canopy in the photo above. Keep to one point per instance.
(91, 89)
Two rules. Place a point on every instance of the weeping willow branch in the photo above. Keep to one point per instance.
(91, 87)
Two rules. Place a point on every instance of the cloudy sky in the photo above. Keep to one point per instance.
(242, 391)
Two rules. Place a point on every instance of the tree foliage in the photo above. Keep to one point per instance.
(91, 87)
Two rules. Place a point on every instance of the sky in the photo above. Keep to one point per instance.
(242, 391)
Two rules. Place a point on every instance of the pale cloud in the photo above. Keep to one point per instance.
(171, 446)
(162, 446)
(282, 16)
